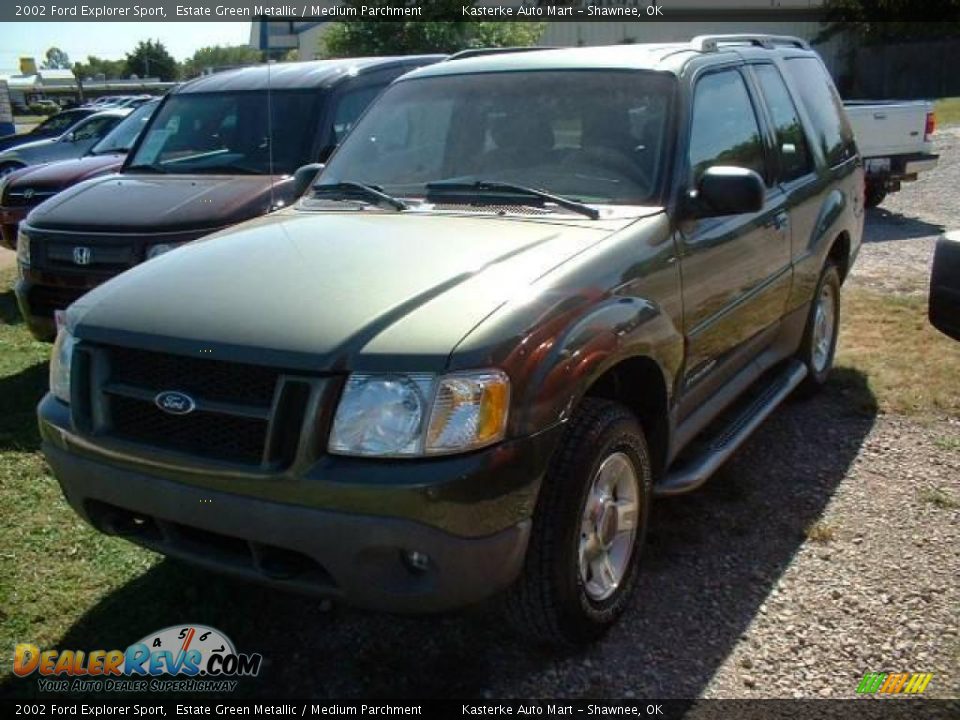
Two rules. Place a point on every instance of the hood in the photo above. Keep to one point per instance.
(57, 175)
(333, 291)
(12, 141)
(129, 203)
(44, 151)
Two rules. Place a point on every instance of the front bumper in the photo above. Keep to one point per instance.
(39, 294)
(333, 550)
(10, 219)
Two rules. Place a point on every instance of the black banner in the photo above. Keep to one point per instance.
(464, 10)
(864, 709)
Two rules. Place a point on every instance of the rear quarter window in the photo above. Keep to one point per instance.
(824, 107)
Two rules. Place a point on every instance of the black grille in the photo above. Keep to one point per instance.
(213, 380)
(19, 199)
(216, 435)
(99, 257)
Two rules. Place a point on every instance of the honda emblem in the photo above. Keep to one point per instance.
(81, 255)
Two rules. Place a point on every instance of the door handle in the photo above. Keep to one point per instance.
(780, 221)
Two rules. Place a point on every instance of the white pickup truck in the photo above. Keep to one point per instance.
(894, 138)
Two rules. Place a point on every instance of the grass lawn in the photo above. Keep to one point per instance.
(948, 111)
(65, 585)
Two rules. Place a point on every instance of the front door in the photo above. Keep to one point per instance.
(735, 269)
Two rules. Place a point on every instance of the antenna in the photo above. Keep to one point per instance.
(273, 204)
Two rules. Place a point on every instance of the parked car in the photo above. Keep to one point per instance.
(22, 190)
(54, 126)
(72, 144)
(204, 162)
(45, 105)
(466, 363)
(945, 286)
(895, 140)
(133, 101)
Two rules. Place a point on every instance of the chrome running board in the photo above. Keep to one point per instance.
(715, 447)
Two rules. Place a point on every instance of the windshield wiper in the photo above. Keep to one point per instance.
(147, 167)
(484, 186)
(354, 190)
(226, 168)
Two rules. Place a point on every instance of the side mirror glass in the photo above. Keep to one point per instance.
(726, 190)
(944, 307)
(304, 177)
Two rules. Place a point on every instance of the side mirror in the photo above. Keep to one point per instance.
(304, 177)
(726, 190)
(69, 137)
(945, 286)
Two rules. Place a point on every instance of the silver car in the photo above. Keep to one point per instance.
(70, 145)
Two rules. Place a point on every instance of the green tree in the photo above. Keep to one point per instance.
(56, 59)
(94, 66)
(879, 21)
(151, 59)
(359, 37)
(218, 57)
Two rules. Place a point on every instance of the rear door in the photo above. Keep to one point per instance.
(735, 269)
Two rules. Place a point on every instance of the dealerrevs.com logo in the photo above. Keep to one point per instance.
(181, 658)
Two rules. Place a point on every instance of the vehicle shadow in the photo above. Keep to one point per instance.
(19, 395)
(712, 559)
(883, 225)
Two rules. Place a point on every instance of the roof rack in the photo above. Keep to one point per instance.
(712, 43)
(478, 52)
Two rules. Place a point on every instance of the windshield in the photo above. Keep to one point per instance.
(60, 122)
(122, 137)
(229, 132)
(588, 135)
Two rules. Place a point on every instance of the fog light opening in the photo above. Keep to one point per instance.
(416, 561)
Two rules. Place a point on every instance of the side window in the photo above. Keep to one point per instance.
(795, 159)
(350, 107)
(824, 107)
(95, 128)
(725, 129)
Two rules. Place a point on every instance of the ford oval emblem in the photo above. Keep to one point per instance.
(175, 403)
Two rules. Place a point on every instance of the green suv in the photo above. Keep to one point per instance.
(527, 294)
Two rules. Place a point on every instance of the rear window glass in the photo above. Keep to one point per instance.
(823, 104)
(795, 160)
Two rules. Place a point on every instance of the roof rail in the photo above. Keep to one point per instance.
(478, 52)
(712, 43)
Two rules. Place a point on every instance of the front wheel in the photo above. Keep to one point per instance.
(590, 524)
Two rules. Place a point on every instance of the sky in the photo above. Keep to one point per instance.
(112, 40)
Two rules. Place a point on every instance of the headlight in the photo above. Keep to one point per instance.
(415, 415)
(161, 248)
(23, 248)
(61, 362)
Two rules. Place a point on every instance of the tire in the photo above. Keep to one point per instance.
(559, 599)
(874, 194)
(819, 345)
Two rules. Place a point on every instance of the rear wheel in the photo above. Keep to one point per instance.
(591, 520)
(823, 325)
(875, 194)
